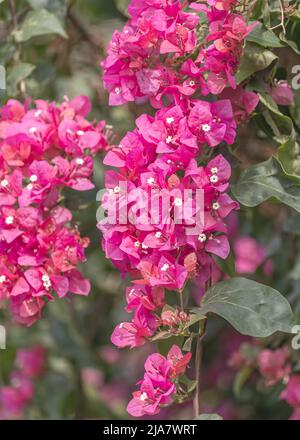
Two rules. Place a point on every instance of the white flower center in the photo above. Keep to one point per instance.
(33, 178)
(9, 220)
(144, 397)
(46, 281)
(118, 90)
(151, 181)
(214, 179)
(2, 279)
(214, 170)
(206, 127)
(79, 161)
(170, 120)
(202, 238)
(169, 139)
(158, 234)
(178, 202)
(192, 83)
(117, 189)
(216, 206)
(165, 267)
(137, 244)
(4, 183)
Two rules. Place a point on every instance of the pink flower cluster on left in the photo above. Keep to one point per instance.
(43, 149)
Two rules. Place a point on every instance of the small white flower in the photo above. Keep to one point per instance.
(144, 396)
(178, 202)
(206, 128)
(38, 113)
(9, 220)
(4, 183)
(120, 146)
(214, 179)
(158, 234)
(165, 267)
(192, 83)
(137, 244)
(33, 178)
(144, 246)
(151, 181)
(170, 120)
(46, 281)
(29, 186)
(80, 132)
(33, 130)
(214, 170)
(169, 139)
(118, 90)
(79, 161)
(121, 325)
(216, 206)
(202, 238)
(117, 189)
(2, 279)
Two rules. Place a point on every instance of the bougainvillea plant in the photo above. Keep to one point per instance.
(192, 62)
(211, 157)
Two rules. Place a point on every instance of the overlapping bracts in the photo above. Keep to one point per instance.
(183, 63)
(44, 148)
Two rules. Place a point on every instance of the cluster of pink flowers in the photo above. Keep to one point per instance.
(291, 395)
(157, 386)
(43, 149)
(275, 366)
(14, 398)
(165, 54)
(165, 51)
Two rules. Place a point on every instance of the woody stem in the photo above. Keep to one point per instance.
(198, 364)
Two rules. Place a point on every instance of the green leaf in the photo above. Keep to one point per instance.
(187, 346)
(162, 335)
(255, 58)
(193, 320)
(264, 181)
(190, 384)
(281, 125)
(264, 37)
(289, 157)
(209, 417)
(252, 308)
(290, 43)
(39, 22)
(15, 75)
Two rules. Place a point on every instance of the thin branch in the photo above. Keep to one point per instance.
(198, 365)
(19, 51)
